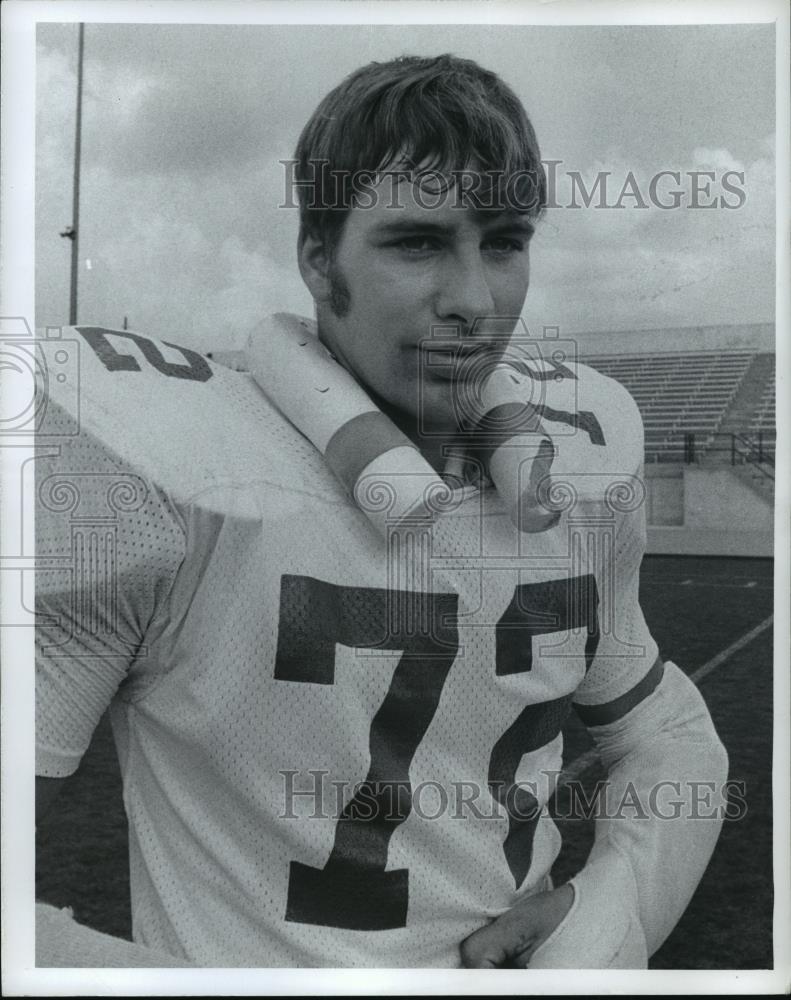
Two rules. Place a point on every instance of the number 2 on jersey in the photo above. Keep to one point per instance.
(354, 890)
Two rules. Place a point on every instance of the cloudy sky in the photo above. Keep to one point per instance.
(184, 125)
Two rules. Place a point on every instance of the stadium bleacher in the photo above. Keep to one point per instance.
(705, 393)
(764, 420)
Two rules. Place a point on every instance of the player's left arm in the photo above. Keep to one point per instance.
(660, 813)
(657, 743)
(663, 798)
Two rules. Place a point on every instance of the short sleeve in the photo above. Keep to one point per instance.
(626, 666)
(108, 547)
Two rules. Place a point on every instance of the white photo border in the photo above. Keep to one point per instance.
(19, 19)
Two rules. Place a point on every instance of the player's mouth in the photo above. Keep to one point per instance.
(451, 362)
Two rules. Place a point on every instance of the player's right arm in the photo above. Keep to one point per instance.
(108, 550)
(60, 940)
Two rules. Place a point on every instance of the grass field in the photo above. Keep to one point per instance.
(695, 608)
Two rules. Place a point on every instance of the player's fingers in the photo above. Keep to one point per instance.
(480, 951)
(504, 943)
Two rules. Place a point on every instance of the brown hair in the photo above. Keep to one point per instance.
(441, 114)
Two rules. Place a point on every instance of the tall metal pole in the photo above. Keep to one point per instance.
(75, 239)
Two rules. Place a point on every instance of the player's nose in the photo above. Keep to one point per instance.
(464, 295)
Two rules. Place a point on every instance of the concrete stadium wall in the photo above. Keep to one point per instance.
(708, 542)
(694, 510)
(744, 337)
(716, 498)
(665, 495)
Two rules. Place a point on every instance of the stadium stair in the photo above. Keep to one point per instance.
(752, 397)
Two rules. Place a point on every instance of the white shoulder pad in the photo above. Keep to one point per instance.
(590, 433)
(594, 423)
(164, 411)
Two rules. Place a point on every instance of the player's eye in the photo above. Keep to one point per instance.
(418, 244)
(504, 245)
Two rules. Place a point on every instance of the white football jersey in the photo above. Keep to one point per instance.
(336, 747)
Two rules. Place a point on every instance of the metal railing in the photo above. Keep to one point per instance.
(742, 448)
(753, 448)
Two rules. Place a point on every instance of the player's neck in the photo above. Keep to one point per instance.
(435, 447)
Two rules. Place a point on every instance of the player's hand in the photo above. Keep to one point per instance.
(509, 941)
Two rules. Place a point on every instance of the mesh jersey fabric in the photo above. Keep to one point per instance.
(336, 748)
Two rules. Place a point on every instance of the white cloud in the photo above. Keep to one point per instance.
(599, 269)
(714, 159)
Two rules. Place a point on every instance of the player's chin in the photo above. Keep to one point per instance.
(437, 413)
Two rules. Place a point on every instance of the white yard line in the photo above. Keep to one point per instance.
(734, 647)
(580, 764)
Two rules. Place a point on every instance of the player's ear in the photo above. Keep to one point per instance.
(314, 266)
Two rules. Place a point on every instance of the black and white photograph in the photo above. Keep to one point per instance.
(395, 541)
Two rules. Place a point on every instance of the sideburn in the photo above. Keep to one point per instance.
(340, 296)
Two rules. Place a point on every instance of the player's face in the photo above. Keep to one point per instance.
(408, 266)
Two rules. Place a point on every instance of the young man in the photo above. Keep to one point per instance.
(290, 672)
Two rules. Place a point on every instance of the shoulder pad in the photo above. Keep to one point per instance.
(589, 435)
(593, 421)
(174, 417)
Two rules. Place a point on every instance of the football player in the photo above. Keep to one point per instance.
(386, 564)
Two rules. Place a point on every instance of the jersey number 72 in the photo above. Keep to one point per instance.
(353, 890)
